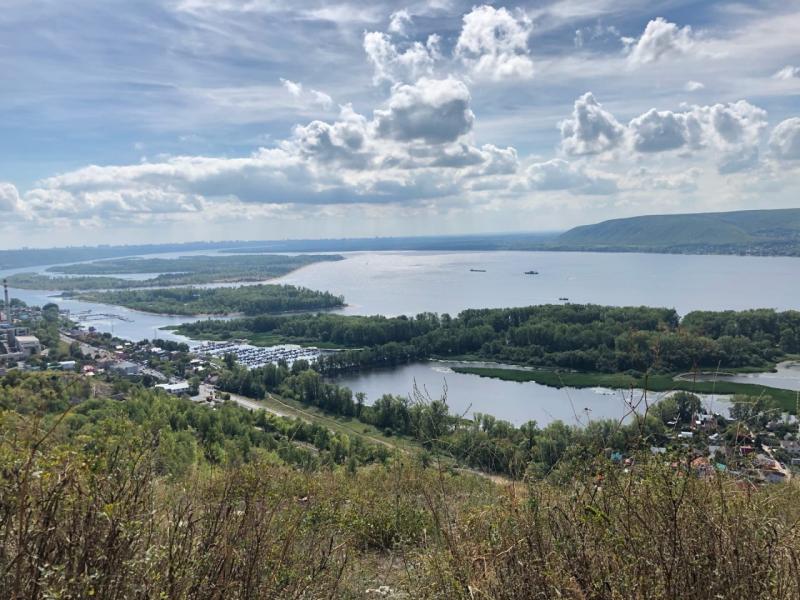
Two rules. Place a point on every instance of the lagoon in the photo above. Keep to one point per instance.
(516, 402)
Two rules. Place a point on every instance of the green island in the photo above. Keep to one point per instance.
(247, 300)
(580, 345)
(184, 270)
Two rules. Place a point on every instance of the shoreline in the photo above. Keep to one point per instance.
(785, 398)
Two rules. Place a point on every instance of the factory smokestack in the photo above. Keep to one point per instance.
(7, 305)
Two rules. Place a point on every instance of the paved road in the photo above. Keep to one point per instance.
(206, 390)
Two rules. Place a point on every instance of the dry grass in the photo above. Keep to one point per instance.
(77, 524)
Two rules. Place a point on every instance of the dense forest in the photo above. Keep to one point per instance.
(248, 300)
(184, 270)
(581, 337)
(187, 433)
(148, 496)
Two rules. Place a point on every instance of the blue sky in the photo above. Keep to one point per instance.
(219, 119)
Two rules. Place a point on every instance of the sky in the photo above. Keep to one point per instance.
(183, 120)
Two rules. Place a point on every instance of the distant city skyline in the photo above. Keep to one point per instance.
(182, 120)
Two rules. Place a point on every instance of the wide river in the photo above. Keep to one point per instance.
(393, 283)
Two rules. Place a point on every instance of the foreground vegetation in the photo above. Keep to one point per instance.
(184, 270)
(129, 499)
(247, 300)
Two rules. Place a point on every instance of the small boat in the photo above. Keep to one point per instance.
(564, 299)
(478, 270)
(531, 272)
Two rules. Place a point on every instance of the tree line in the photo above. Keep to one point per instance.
(248, 300)
(581, 337)
(483, 441)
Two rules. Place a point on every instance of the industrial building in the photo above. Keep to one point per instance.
(124, 367)
(16, 343)
(179, 388)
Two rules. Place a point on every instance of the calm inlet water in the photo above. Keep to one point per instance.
(786, 376)
(138, 326)
(512, 401)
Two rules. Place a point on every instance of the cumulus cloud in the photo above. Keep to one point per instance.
(433, 110)
(558, 174)
(657, 131)
(415, 148)
(294, 88)
(591, 130)
(311, 96)
(732, 129)
(483, 161)
(342, 142)
(660, 39)
(390, 64)
(787, 72)
(785, 139)
(399, 22)
(684, 181)
(9, 199)
(693, 86)
(493, 43)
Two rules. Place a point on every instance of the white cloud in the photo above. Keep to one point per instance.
(321, 98)
(660, 39)
(433, 110)
(645, 178)
(392, 65)
(312, 96)
(399, 22)
(493, 43)
(483, 161)
(657, 131)
(785, 139)
(295, 89)
(9, 199)
(595, 32)
(343, 142)
(787, 72)
(732, 129)
(415, 149)
(693, 86)
(558, 174)
(591, 130)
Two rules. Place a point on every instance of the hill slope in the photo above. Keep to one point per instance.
(743, 232)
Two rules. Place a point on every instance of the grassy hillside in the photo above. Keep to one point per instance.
(751, 231)
(159, 497)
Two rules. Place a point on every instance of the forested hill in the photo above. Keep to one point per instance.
(764, 232)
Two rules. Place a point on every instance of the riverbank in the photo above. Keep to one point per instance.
(786, 399)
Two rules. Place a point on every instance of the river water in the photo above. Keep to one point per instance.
(393, 283)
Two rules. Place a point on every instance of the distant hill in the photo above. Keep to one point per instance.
(761, 232)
